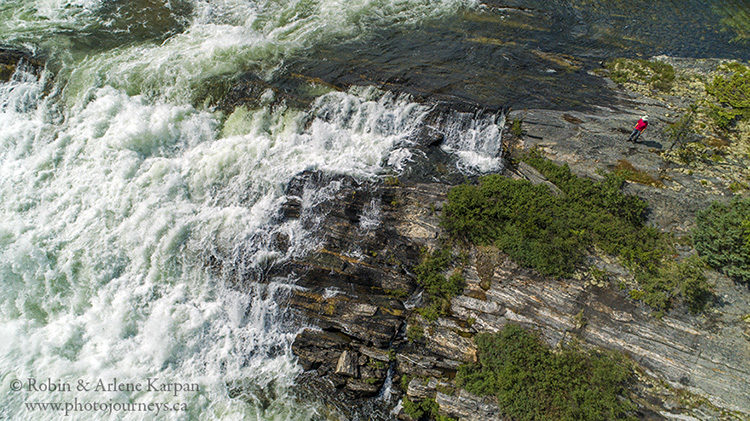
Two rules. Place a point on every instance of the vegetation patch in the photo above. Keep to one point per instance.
(516, 128)
(399, 293)
(677, 131)
(737, 186)
(552, 234)
(439, 289)
(731, 92)
(655, 74)
(424, 409)
(722, 237)
(392, 181)
(414, 332)
(685, 278)
(629, 172)
(531, 382)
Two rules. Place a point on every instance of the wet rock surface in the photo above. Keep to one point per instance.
(10, 58)
(354, 288)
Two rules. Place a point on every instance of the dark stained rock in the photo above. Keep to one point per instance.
(10, 59)
(316, 348)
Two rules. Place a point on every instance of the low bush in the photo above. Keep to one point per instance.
(686, 279)
(678, 130)
(414, 332)
(531, 382)
(438, 289)
(426, 409)
(732, 93)
(516, 128)
(722, 238)
(552, 233)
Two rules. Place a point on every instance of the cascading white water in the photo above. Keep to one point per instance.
(475, 139)
(105, 223)
(114, 190)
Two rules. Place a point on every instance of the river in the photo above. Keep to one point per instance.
(123, 183)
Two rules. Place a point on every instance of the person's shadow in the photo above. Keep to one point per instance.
(651, 144)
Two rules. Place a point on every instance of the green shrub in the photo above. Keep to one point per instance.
(415, 409)
(685, 278)
(405, 380)
(678, 130)
(732, 94)
(398, 293)
(721, 238)
(693, 286)
(438, 289)
(619, 76)
(424, 409)
(736, 186)
(722, 117)
(552, 234)
(392, 181)
(663, 75)
(435, 308)
(516, 128)
(430, 270)
(414, 332)
(519, 218)
(549, 233)
(533, 383)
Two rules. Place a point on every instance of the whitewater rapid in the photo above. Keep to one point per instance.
(117, 190)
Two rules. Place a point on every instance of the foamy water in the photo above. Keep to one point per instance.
(116, 192)
(476, 140)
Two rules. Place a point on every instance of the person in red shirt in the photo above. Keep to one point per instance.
(640, 126)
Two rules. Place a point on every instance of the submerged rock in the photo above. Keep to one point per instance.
(10, 59)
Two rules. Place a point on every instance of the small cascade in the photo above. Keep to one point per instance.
(386, 390)
(476, 139)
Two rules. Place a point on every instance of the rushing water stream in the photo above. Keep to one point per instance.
(118, 185)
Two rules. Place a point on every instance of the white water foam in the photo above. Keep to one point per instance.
(476, 140)
(115, 194)
(106, 219)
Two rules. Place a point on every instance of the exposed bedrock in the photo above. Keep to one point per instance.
(357, 289)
